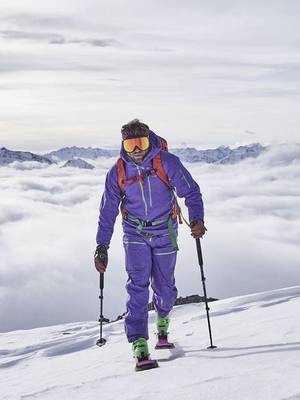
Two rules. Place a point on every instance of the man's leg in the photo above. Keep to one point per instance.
(138, 261)
(163, 280)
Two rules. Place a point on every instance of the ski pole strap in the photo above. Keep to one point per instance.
(180, 215)
(187, 223)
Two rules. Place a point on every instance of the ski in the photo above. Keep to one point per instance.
(143, 365)
(163, 343)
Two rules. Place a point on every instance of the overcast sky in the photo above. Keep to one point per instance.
(203, 73)
(48, 223)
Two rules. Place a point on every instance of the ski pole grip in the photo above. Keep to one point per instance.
(199, 251)
(101, 280)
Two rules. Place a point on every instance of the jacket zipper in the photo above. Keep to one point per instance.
(142, 190)
(150, 195)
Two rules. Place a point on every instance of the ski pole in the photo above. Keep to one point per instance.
(101, 342)
(200, 259)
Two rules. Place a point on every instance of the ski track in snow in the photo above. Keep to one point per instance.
(258, 339)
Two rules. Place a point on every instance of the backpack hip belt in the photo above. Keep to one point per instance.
(140, 224)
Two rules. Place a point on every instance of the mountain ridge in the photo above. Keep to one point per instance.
(9, 156)
(219, 155)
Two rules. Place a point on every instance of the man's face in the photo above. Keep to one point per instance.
(136, 148)
(137, 155)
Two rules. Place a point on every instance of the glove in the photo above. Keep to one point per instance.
(101, 258)
(197, 229)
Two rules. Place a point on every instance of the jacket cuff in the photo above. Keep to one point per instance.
(103, 245)
(196, 219)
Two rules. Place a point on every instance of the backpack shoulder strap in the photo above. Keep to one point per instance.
(121, 174)
(159, 170)
(163, 144)
(156, 163)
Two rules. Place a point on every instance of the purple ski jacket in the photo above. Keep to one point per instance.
(151, 201)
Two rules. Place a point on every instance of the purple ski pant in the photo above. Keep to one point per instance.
(148, 260)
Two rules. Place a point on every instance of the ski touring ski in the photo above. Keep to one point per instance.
(163, 343)
(142, 365)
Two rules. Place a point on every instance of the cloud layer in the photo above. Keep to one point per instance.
(48, 222)
(53, 38)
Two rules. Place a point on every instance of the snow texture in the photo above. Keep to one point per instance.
(257, 356)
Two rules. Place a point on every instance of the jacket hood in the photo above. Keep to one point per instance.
(155, 148)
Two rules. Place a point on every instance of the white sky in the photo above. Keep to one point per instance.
(203, 73)
(48, 223)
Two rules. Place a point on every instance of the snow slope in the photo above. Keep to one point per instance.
(258, 339)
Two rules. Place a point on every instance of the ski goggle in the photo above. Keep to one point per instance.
(141, 142)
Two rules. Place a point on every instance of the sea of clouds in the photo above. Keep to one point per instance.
(48, 223)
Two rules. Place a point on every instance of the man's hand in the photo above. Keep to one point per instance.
(101, 258)
(197, 229)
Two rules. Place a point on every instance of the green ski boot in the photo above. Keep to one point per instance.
(141, 354)
(140, 349)
(162, 325)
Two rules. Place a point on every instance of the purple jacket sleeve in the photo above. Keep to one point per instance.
(185, 185)
(109, 208)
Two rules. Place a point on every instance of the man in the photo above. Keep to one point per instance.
(144, 181)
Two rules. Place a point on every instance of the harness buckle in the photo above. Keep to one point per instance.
(147, 223)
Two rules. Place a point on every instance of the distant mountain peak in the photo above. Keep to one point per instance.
(9, 156)
(221, 154)
(69, 153)
(78, 163)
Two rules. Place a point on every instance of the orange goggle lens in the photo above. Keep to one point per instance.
(141, 142)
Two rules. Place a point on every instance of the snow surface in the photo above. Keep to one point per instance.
(258, 339)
